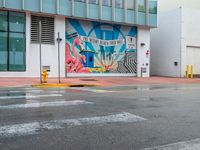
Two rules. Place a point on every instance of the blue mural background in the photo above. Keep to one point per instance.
(93, 47)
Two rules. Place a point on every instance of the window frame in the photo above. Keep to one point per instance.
(8, 32)
(82, 1)
(6, 20)
(121, 4)
(151, 9)
(6, 50)
(109, 4)
(24, 54)
(128, 8)
(96, 3)
(142, 11)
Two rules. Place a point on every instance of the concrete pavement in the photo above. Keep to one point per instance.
(126, 117)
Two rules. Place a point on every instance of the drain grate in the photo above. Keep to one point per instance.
(88, 80)
(83, 85)
(78, 85)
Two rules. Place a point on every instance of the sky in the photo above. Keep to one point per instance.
(165, 5)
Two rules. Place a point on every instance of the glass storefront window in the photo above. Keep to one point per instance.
(93, 1)
(16, 22)
(153, 6)
(3, 21)
(119, 3)
(12, 41)
(141, 5)
(79, 0)
(3, 51)
(131, 4)
(16, 52)
(106, 2)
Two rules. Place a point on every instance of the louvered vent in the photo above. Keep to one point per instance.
(47, 33)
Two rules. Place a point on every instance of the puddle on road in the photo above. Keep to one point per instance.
(136, 88)
(152, 99)
(152, 88)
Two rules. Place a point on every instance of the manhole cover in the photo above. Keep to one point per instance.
(88, 80)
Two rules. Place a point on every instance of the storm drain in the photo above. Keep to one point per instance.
(82, 85)
(88, 80)
(79, 85)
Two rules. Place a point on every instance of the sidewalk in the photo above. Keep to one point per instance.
(104, 81)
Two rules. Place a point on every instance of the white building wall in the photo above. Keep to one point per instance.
(49, 53)
(166, 5)
(176, 39)
(143, 59)
(190, 39)
(166, 45)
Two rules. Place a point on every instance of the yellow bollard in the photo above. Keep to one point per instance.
(44, 76)
(187, 72)
(191, 71)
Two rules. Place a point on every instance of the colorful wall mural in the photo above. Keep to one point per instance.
(93, 47)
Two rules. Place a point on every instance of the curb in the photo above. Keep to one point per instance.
(52, 85)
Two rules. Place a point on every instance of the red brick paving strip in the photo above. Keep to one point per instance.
(107, 81)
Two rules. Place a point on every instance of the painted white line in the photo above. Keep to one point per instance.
(33, 91)
(92, 90)
(27, 91)
(30, 96)
(35, 127)
(186, 145)
(46, 104)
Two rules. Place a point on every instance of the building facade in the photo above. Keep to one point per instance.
(166, 5)
(176, 43)
(99, 37)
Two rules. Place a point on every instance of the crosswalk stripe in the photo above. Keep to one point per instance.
(186, 145)
(35, 127)
(93, 90)
(29, 91)
(30, 96)
(45, 104)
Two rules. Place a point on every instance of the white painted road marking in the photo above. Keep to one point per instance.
(26, 91)
(92, 90)
(30, 96)
(35, 127)
(186, 145)
(45, 104)
(32, 92)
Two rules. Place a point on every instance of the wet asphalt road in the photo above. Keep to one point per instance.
(99, 118)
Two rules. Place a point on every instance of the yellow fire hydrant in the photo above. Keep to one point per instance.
(44, 76)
